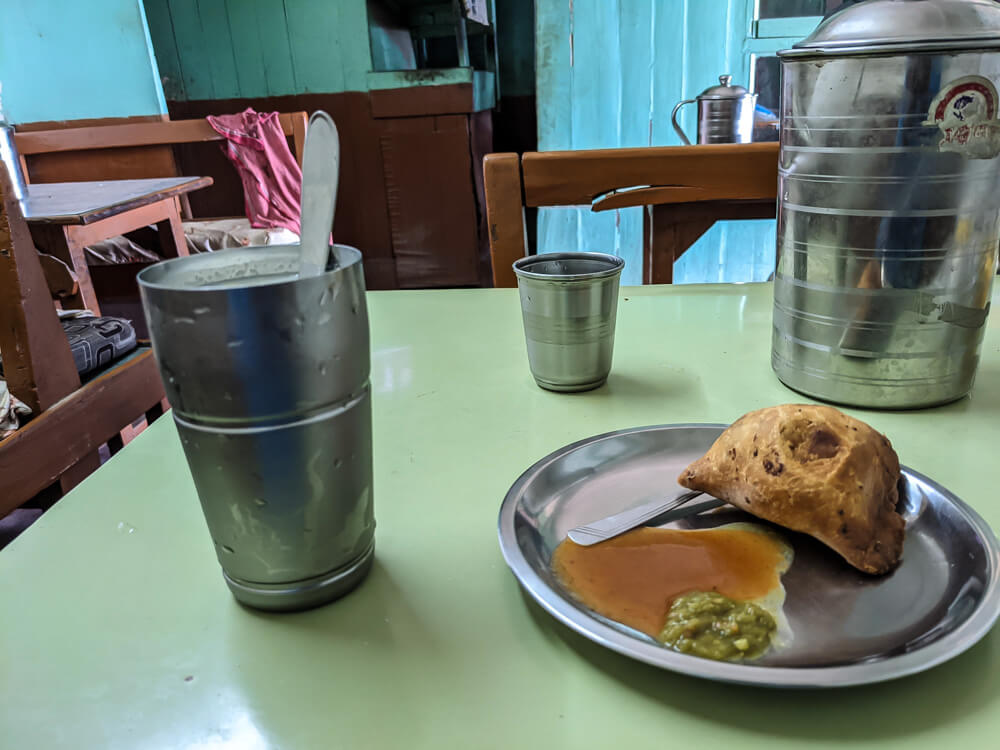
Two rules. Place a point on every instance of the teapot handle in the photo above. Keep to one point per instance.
(673, 119)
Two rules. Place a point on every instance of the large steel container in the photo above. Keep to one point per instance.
(888, 202)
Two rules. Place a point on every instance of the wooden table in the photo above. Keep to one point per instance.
(65, 217)
(119, 631)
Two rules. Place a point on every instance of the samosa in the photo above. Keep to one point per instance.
(812, 469)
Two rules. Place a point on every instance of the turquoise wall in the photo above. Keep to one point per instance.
(64, 60)
(608, 74)
(229, 49)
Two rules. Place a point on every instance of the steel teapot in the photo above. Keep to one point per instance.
(725, 114)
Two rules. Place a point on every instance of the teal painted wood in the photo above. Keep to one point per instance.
(273, 47)
(596, 96)
(515, 37)
(557, 227)
(330, 44)
(214, 18)
(194, 48)
(245, 31)
(68, 61)
(223, 49)
(608, 74)
(168, 63)
(161, 100)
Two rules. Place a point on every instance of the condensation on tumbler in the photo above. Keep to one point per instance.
(269, 385)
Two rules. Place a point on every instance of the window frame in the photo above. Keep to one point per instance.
(768, 35)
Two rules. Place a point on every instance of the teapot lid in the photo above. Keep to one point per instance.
(905, 26)
(725, 90)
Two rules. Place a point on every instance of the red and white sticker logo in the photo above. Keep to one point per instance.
(966, 112)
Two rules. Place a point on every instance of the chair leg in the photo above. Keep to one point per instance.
(75, 256)
(171, 231)
(665, 239)
(59, 242)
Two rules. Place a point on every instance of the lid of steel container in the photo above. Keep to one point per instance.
(724, 90)
(887, 26)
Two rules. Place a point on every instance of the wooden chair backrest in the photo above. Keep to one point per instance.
(37, 362)
(38, 149)
(615, 178)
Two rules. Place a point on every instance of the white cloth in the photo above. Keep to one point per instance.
(11, 410)
(201, 236)
(118, 249)
(206, 236)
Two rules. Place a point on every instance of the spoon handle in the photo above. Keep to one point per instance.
(658, 511)
(320, 177)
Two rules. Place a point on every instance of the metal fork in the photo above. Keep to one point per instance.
(658, 510)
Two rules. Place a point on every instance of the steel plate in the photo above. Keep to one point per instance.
(847, 628)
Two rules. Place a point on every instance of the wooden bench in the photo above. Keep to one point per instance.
(135, 150)
(115, 152)
(71, 420)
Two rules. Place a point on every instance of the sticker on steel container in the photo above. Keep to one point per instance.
(966, 113)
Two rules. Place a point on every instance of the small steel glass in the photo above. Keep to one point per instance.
(569, 302)
(268, 377)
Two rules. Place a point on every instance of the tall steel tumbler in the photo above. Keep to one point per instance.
(268, 377)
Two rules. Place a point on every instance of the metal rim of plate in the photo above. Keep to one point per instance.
(591, 626)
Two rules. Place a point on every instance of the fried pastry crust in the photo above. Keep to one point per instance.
(812, 469)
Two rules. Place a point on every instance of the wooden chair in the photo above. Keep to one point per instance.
(46, 154)
(685, 191)
(129, 151)
(71, 420)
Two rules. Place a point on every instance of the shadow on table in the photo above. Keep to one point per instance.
(367, 614)
(910, 705)
(985, 395)
(622, 385)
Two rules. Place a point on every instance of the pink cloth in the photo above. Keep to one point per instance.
(272, 179)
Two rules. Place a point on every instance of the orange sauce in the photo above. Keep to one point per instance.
(634, 578)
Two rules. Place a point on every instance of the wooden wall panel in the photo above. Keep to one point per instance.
(226, 49)
(432, 212)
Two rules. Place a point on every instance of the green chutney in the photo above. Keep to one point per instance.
(713, 626)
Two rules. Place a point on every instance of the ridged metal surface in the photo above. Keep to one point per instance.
(887, 246)
(269, 384)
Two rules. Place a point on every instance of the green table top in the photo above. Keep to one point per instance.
(118, 630)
